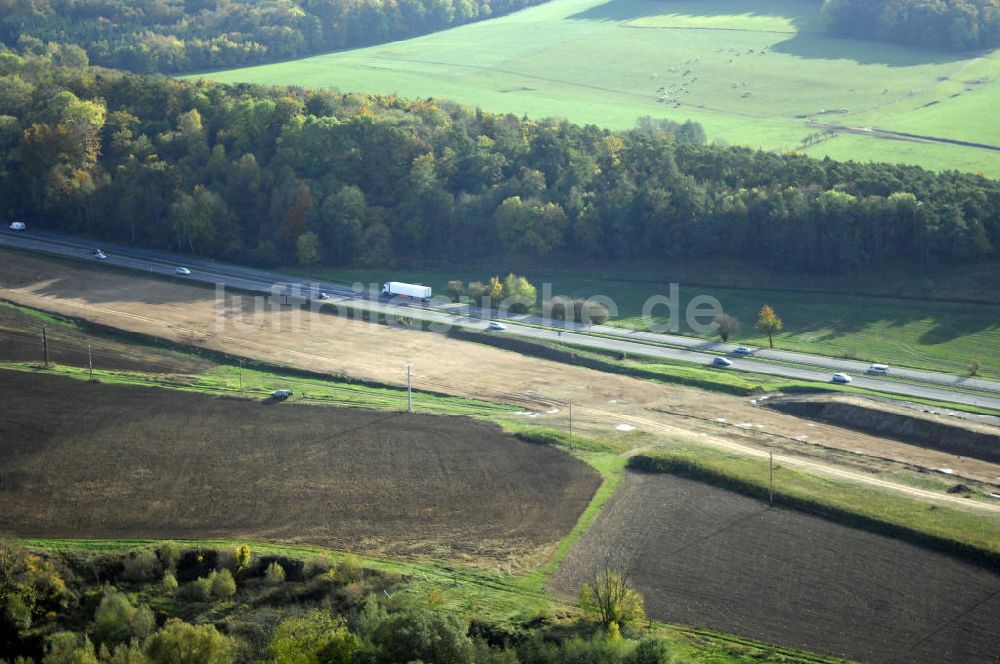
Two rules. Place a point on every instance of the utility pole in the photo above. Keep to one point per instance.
(45, 345)
(770, 478)
(90, 363)
(409, 388)
(571, 425)
(241, 378)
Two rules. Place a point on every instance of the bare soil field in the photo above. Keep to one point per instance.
(601, 402)
(706, 557)
(110, 461)
(21, 341)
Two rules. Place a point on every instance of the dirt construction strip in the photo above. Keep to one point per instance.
(324, 343)
(707, 557)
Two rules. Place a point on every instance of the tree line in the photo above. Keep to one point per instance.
(272, 176)
(950, 25)
(171, 36)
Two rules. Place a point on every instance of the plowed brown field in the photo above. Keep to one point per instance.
(706, 557)
(111, 461)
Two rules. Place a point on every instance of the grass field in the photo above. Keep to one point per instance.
(751, 77)
(944, 336)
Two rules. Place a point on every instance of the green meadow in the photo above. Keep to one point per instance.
(862, 322)
(751, 77)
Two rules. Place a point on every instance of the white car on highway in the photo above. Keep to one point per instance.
(495, 325)
(722, 362)
(18, 226)
(183, 271)
(100, 255)
(742, 350)
(841, 378)
(322, 296)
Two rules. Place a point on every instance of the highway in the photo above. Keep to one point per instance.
(902, 382)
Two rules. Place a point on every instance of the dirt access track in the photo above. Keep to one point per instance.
(191, 314)
(705, 556)
(112, 461)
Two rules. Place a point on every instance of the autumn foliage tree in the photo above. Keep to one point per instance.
(768, 323)
(610, 598)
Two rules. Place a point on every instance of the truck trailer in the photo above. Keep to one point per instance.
(412, 291)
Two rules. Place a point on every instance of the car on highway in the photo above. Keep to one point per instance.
(495, 325)
(322, 296)
(722, 362)
(742, 350)
(18, 226)
(99, 255)
(183, 271)
(841, 378)
(878, 370)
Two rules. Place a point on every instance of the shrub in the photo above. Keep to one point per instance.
(424, 635)
(223, 584)
(169, 553)
(69, 648)
(314, 637)
(649, 651)
(317, 566)
(199, 590)
(142, 566)
(598, 650)
(484, 654)
(243, 557)
(180, 643)
(275, 574)
(117, 621)
(131, 653)
(365, 618)
(349, 570)
(169, 582)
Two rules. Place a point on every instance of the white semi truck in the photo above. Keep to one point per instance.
(412, 291)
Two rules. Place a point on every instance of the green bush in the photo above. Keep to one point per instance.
(223, 584)
(650, 651)
(349, 570)
(180, 643)
(69, 648)
(317, 566)
(243, 557)
(423, 635)
(142, 566)
(130, 653)
(315, 637)
(169, 553)
(199, 590)
(117, 621)
(275, 574)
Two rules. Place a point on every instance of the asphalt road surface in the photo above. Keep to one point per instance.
(902, 382)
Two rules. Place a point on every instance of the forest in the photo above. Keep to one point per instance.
(172, 36)
(947, 25)
(271, 176)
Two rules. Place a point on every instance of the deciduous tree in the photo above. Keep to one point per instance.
(768, 323)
